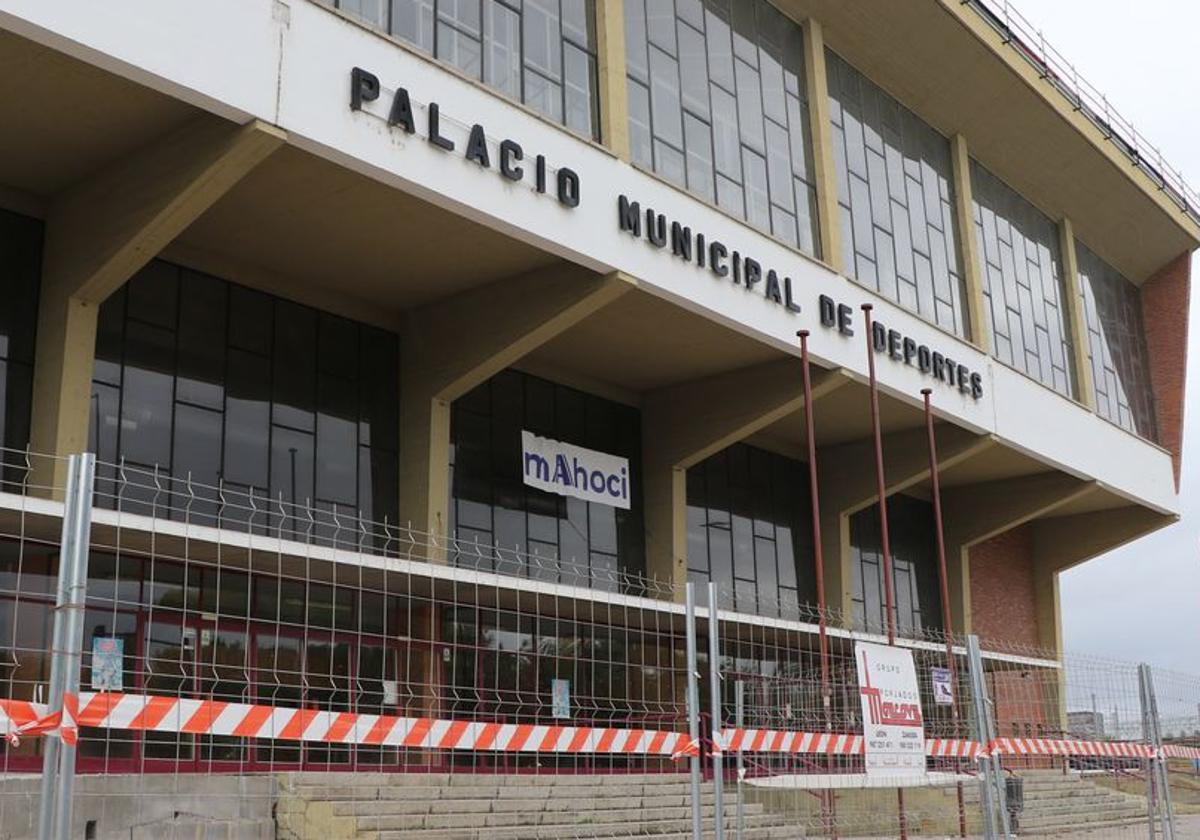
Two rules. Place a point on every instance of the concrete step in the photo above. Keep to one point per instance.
(483, 819)
(758, 829)
(484, 805)
(1089, 820)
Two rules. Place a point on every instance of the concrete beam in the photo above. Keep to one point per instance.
(99, 233)
(1062, 542)
(972, 264)
(847, 480)
(614, 90)
(684, 424)
(1085, 389)
(977, 512)
(824, 168)
(449, 347)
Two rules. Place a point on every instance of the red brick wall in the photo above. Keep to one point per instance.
(1003, 610)
(1165, 313)
(1002, 588)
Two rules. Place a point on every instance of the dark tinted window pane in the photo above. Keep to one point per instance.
(247, 419)
(154, 293)
(336, 441)
(250, 320)
(147, 391)
(914, 563)
(20, 273)
(201, 340)
(294, 391)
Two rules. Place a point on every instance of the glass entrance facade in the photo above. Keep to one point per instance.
(256, 399)
(918, 601)
(501, 523)
(750, 530)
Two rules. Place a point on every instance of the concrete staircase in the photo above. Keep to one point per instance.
(372, 806)
(1058, 803)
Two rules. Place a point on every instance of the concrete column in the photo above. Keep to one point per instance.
(449, 347)
(977, 512)
(1085, 390)
(98, 234)
(684, 424)
(847, 475)
(968, 245)
(610, 69)
(821, 130)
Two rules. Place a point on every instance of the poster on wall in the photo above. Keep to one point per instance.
(943, 690)
(893, 726)
(570, 470)
(108, 658)
(560, 699)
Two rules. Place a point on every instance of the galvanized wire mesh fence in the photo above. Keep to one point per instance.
(254, 669)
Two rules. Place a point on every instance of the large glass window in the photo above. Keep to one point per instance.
(897, 200)
(20, 272)
(1023, 282)
(1112, 309)
(917, 600)
(500, 523)
(717, 105)
(749, 529)
(540, 52)
(234, 389)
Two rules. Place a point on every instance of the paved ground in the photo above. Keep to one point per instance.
(1186, 828)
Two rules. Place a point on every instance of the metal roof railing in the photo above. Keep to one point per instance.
(1085, 98)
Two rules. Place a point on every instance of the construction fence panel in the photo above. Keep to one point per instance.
(264, 669)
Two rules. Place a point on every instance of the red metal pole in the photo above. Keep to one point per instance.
(827, 801)
(884, 540)
(881, 484)
(943, 580)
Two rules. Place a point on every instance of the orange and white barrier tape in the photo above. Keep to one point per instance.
(1179, 751)
(1046, 746)
(244, 720)
(151, 713)
(776, 741)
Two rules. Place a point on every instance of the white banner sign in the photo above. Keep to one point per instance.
(891, 708)
(574, 471)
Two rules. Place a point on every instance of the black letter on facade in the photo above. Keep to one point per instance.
(845, 319)
(511, 150)
(700, 251)
(716, 259)
(976, 385)
(539, 170)
(827, 310)
(938, 366)
(753, 273)
(878, 337)
(629, 216)
(772, 291)
(656, 228)
(910, 350)
(681, 241)
(364, 87)
(568, 187)
(788, 302)
(435, 136)
(893, 339)
(477, 147)
(401, 113)
(924, 360)
(964, 379)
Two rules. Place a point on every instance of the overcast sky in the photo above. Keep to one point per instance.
(1142, 602)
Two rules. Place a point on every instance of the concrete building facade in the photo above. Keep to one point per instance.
(386, 262)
